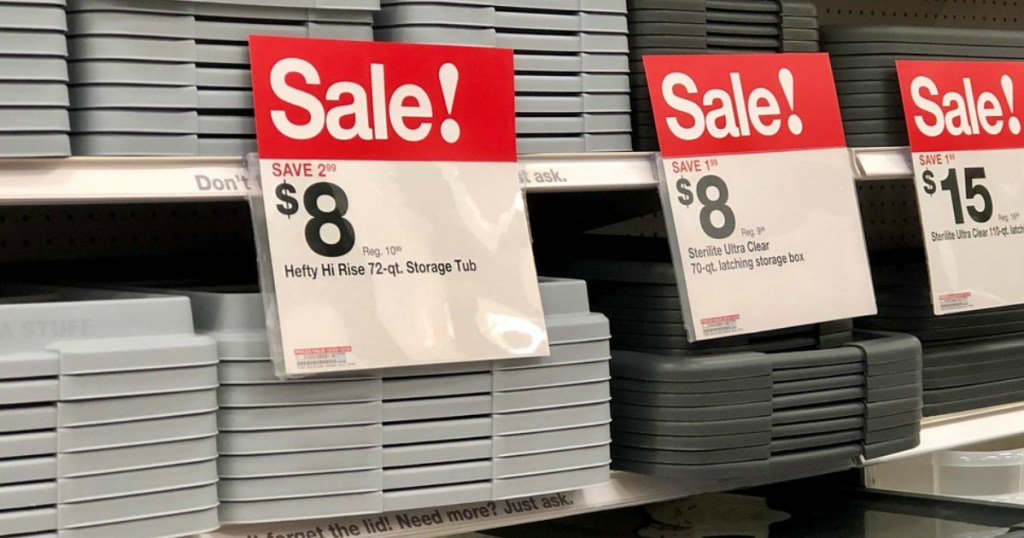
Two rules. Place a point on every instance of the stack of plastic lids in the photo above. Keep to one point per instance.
(343, 19)
(570, 62)
(171, 77)
(971, 360)
(133, 78)
(551, 414)
(33, 79)
(548, 31)
(456, 22)
(291, 450)
(411, 437)
(863, 61)
(769, 406)
(605, 55)
(437, 435)
(107, 418)
(671, 27)
(227, 125)
(226, 118)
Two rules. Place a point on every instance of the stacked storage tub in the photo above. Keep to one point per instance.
(971, 360)
(107, 417)
(133, 78)
(551, 414)
(171, 77)
(296, 450)
(227, 125)
(607, 120)
(665, 27)
(571, 81)
(412, 437)
(765, 407)
(33, 79)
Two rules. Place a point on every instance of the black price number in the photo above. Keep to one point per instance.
(320, 218)
(980, 210)
(710, 206)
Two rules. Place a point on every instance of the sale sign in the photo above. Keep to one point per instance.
(762, 207)
(391, 216)
(963, 121)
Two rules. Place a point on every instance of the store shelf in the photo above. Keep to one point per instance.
(91, 179)
(961, 429)
(96, 179)
(876, 164)
(623, 490)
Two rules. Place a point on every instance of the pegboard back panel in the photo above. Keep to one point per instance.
(890, 216)
(996, 14)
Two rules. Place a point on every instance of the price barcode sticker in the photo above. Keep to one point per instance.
(391, 221)
(963, 121)
(756, 184)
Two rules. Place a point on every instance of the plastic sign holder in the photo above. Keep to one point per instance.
(391, 224)
(964, 124)
(756, 186)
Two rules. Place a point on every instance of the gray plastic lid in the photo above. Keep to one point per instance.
(299, 463)
(134, 458)
(551, 376)
(288, 487)
(652, 367)
(307, 416)
(27, 418)
(108, 513)
(29, 364)
(281, 510)
(562, 396)
(563, 296)
(533, 443)
(551, 462)
(416, 498)
(114, 410)
(506, 488)
(186, 524)
(577, 328)
(109, 486)
(443, 452)
(147, 432)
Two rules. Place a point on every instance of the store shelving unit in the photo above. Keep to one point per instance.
(82, 180)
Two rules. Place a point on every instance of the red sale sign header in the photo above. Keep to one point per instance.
(358, 100)
(727, 104)
(962, 105)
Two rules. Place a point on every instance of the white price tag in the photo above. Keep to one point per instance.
(968, 162)
(765, 250)
(398, 241)
(762, 207)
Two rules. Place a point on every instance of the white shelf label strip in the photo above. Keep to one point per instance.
(881, 163)
(80, 180)
(587, 172)
(624, 489)
(87, 179)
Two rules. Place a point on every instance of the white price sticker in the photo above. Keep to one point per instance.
(763, 240)
(965, 133)
(763, 215)
(392, 224)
